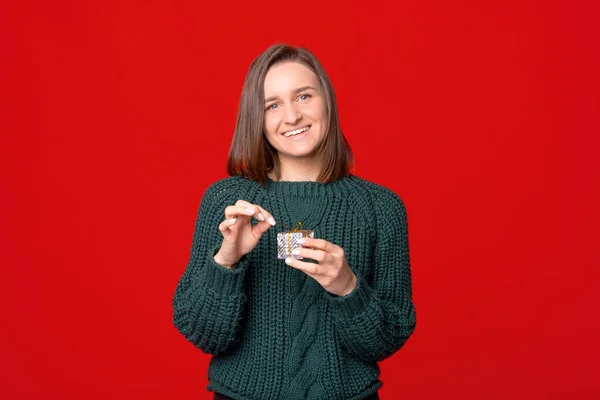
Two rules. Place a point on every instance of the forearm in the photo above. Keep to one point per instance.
(208, 305)
(369, 327)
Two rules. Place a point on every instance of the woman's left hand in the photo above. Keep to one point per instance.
(332, 271)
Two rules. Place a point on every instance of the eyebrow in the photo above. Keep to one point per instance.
(300, 89)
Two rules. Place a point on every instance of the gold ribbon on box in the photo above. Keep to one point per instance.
(289, 239)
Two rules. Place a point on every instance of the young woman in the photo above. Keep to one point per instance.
(314, 326)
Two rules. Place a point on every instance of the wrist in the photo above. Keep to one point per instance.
(351, 286)
(219, 260)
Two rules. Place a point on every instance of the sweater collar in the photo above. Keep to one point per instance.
(309, 188)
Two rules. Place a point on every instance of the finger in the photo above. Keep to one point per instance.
(227, 223)
(243, 203)
(317, 255)
(242, 210)
(308, 268)
(320, 244)
(268, 217)
(225, 226)
(262, 215)
(238, 211)
(259, 229)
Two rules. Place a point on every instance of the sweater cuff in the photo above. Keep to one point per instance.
(355, 302)
(225, 281)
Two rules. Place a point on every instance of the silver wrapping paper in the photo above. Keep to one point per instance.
(288, 241)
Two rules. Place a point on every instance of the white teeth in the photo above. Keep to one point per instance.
(296, 132)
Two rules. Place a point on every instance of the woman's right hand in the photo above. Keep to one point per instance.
(239, 236)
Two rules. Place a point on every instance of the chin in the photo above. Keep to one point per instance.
(300, 154)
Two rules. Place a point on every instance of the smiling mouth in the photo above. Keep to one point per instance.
(295, 132)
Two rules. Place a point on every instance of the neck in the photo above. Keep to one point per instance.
(294, 169)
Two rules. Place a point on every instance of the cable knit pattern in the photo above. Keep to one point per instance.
(273, 331)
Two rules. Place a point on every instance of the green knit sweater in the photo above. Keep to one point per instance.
(273, 331)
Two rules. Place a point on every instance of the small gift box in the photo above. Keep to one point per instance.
(288, 241)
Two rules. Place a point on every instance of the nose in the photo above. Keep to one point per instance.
(292, 115)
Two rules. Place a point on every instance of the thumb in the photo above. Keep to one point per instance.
(260, 228)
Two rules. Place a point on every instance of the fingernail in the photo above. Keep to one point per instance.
(250, 210)
(288, 261)
(261, 217)
(271, 221)
(301, 240)
(232, 221)
(296, 251)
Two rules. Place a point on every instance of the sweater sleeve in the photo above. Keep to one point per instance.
(209, 299)
(375, 320)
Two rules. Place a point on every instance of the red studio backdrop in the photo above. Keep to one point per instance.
(482, 116)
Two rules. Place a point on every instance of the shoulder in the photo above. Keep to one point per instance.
(226, 189)
(380, 207)
(381, 198)
(228, 184)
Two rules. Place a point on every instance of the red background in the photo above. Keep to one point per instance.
(483, 117)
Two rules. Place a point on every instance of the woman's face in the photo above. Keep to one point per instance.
(294, 103)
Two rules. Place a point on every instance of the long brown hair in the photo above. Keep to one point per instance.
(251, 155)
